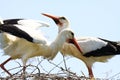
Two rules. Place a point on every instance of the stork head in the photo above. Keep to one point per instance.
(69, 36)
(61, 21)
(63, 24)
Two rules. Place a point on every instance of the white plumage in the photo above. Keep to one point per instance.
(29, 26)
(92, 49)
(35, 24)
(92, 44)
(33, 33)
(23, 49)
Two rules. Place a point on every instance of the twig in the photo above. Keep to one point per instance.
(38, 64)
(18, 63)
(64, 62)
(35, 67)
(13, 69)
(56, 65)
(64, 70)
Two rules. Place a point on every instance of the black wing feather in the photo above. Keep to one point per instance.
(107, 50)
(11, 21)
(12, 29)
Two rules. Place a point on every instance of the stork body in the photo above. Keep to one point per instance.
(11, 44)
(92, 49)
(18, 47)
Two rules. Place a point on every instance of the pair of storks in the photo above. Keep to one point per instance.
(19, 39)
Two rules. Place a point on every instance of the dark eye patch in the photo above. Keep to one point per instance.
(63, 18)
(72, 33)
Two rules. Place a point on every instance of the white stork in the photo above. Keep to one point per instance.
(27, 42)
(92, 49)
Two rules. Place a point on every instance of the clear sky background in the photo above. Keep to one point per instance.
(96, 18)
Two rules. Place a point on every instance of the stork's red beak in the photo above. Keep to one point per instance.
(55, 18)
(74, 41)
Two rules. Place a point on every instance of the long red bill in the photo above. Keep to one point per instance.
(74, 41)
(50, 16)
(55, 18)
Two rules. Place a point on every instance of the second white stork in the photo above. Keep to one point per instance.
(20, 47)
(92, 49)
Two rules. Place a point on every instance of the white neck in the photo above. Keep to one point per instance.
(56, 45)
(61, 27)
(46, 50)
(50, 50)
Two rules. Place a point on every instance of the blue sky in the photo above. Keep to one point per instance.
(96, 18)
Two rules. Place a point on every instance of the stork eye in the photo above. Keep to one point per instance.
(72, 33)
